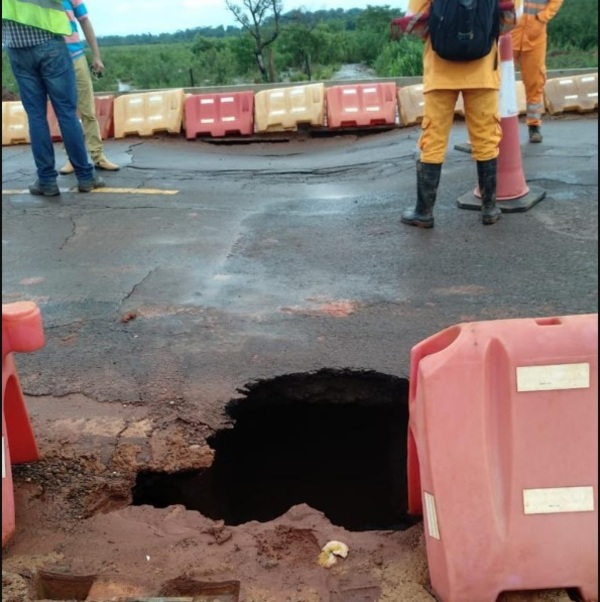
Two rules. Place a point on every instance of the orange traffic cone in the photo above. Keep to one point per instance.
(513, 194)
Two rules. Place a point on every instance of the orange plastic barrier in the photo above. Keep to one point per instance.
(219, 115)
(459, 109)
(286, 109)
(22, 331)
(147, 113)
(577, 93)
(15, 125)
(521, 97)
(561, 95)
(411, 104)
(503, 456)
(361, 105)
(587, 87)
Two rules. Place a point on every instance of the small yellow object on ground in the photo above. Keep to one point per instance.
(331, 551)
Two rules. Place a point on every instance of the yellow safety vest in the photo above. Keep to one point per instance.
(43, 14)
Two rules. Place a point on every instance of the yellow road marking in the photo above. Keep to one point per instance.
(107, 190)
(135, 191)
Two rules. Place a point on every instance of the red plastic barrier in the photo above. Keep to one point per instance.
(8, 499)
(361, 105)
(105, 115)
(53, 123)
(219, 115)
(22, 331)
(503, 456)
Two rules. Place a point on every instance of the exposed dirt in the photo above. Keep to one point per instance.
(77, 532)
(76, 521)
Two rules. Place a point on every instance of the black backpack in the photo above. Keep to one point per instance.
(463, 30)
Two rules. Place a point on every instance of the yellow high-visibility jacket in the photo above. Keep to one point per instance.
(43, 14)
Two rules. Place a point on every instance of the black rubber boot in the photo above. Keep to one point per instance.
(428, 179)
(487, 174)
(535, 134)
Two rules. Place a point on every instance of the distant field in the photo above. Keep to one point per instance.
(147, 67)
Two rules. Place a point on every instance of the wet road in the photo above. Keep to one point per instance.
(204, 267)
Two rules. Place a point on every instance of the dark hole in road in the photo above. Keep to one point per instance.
(335, 440)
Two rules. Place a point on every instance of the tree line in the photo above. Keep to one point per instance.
(299, 46)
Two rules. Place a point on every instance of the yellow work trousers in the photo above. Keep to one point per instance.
(532, 64)
(481, 116)
(86, 107)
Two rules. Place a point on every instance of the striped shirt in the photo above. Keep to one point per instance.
(18, 35)
(77, 12)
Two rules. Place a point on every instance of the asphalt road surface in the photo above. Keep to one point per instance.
(206, 269)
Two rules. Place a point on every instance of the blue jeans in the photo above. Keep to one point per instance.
(46, 71)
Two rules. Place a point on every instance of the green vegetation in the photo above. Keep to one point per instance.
(310, 46)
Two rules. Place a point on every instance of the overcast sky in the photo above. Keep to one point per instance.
(124, 17)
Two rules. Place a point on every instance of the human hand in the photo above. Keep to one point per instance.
(97, 66)
(508, 17)
(96, 74)
(536, 28)
(414, 24)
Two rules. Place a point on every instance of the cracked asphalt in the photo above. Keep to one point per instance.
(209, 265)
(208, 269)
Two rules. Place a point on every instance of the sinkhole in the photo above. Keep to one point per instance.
(334, 439)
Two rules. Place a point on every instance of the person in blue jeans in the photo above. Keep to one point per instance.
(32, 33)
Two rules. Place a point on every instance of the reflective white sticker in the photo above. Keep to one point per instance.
(553, 378)
(558, 499)
(431, 514)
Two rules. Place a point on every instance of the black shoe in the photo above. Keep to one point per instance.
(535, 134)
(412, 218)
(428, 179)
(39, 189)
(491, 215)
(97, 182)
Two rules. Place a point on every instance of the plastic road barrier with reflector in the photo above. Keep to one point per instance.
(503, 456)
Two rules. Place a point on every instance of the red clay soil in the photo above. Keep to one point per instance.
(79, 537)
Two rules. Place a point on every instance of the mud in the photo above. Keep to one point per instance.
(76, 525)
(271, 260)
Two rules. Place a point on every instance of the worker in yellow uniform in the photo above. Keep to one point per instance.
(443, 80)
(530, 40)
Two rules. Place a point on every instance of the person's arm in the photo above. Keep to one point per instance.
(508, 16)
(417, 8)
(90, 38)
(415, 22)
(550, 11)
